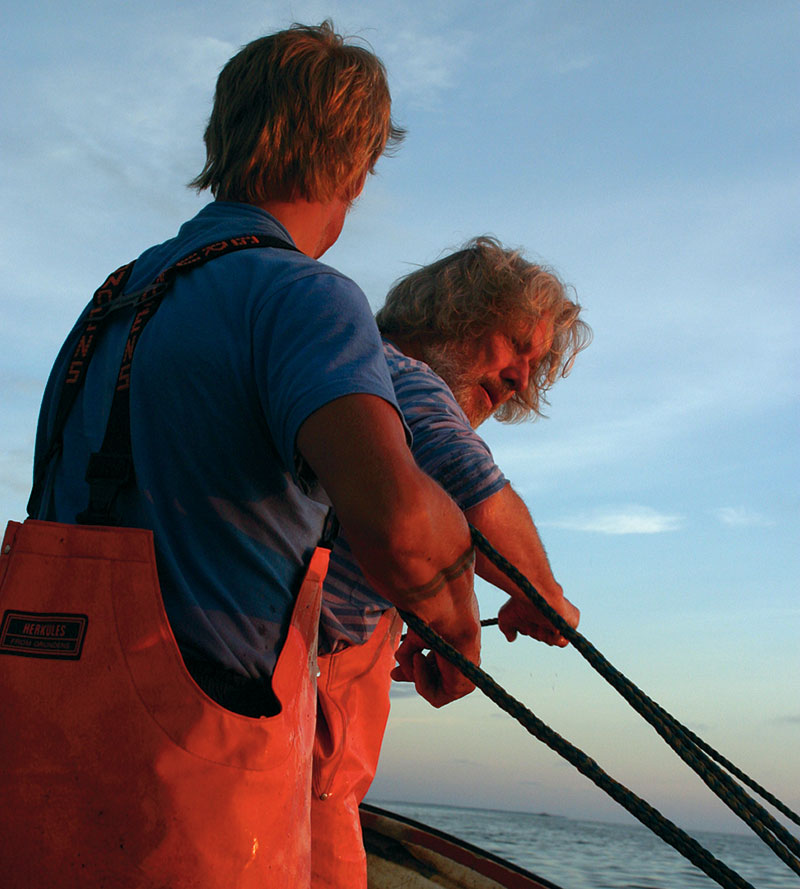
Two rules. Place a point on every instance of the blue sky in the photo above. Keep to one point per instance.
(647, 152)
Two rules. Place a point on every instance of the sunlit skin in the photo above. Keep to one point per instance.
(483, 376)
(383, 500)
(496, 368)
(314, 225)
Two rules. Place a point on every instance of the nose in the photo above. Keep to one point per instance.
(517, 374)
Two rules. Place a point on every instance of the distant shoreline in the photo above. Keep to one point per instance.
(632, 822)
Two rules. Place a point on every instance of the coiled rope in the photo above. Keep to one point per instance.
(700, 756)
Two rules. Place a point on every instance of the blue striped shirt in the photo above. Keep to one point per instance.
(447, 448)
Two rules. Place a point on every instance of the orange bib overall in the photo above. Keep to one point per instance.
(116, 770)
(353, 694)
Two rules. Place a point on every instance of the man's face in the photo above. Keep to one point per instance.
(485, 374)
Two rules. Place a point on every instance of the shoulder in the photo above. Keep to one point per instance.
(444, 444)
(421, 392)
(264, 269)
(298, 272)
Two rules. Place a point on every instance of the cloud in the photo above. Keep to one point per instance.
(423, 65)
(789, 719)
(631, 519)
(741, 517)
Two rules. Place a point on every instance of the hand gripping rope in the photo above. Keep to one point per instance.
(702, 758)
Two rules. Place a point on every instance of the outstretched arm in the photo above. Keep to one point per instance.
(410, 539)
(505, 521)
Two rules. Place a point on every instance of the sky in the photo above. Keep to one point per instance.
(645, 151)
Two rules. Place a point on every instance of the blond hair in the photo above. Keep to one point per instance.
(297, 115)
(451, 304)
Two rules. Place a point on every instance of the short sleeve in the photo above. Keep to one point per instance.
(315, 341)
(444, 444)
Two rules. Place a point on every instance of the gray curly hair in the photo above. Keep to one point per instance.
(482, 288)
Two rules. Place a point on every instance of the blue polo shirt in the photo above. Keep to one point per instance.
(445, 447)
(240, 353)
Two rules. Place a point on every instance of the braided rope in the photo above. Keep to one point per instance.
(639, 808)
(693, 750)
(681, 739)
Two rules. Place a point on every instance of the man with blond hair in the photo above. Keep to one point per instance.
(480, 333)
(170, 745)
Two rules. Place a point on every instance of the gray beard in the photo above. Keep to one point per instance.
(451, 364)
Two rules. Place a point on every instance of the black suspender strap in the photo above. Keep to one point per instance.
(111, 468)
(104, 302)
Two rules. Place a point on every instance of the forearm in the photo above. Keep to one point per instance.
(409, 537)
(419, 555)
(506, 522)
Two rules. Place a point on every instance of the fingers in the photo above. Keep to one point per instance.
(517, 616)
(438, 681)
(434, 678)
(508, 630)
(409, 647)
(571, 614)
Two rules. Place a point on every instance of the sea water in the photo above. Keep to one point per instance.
(594, 855)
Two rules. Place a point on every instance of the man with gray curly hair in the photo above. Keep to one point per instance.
(481, 307)
(479, 333)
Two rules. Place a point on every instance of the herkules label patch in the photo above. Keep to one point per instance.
(48, 635)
